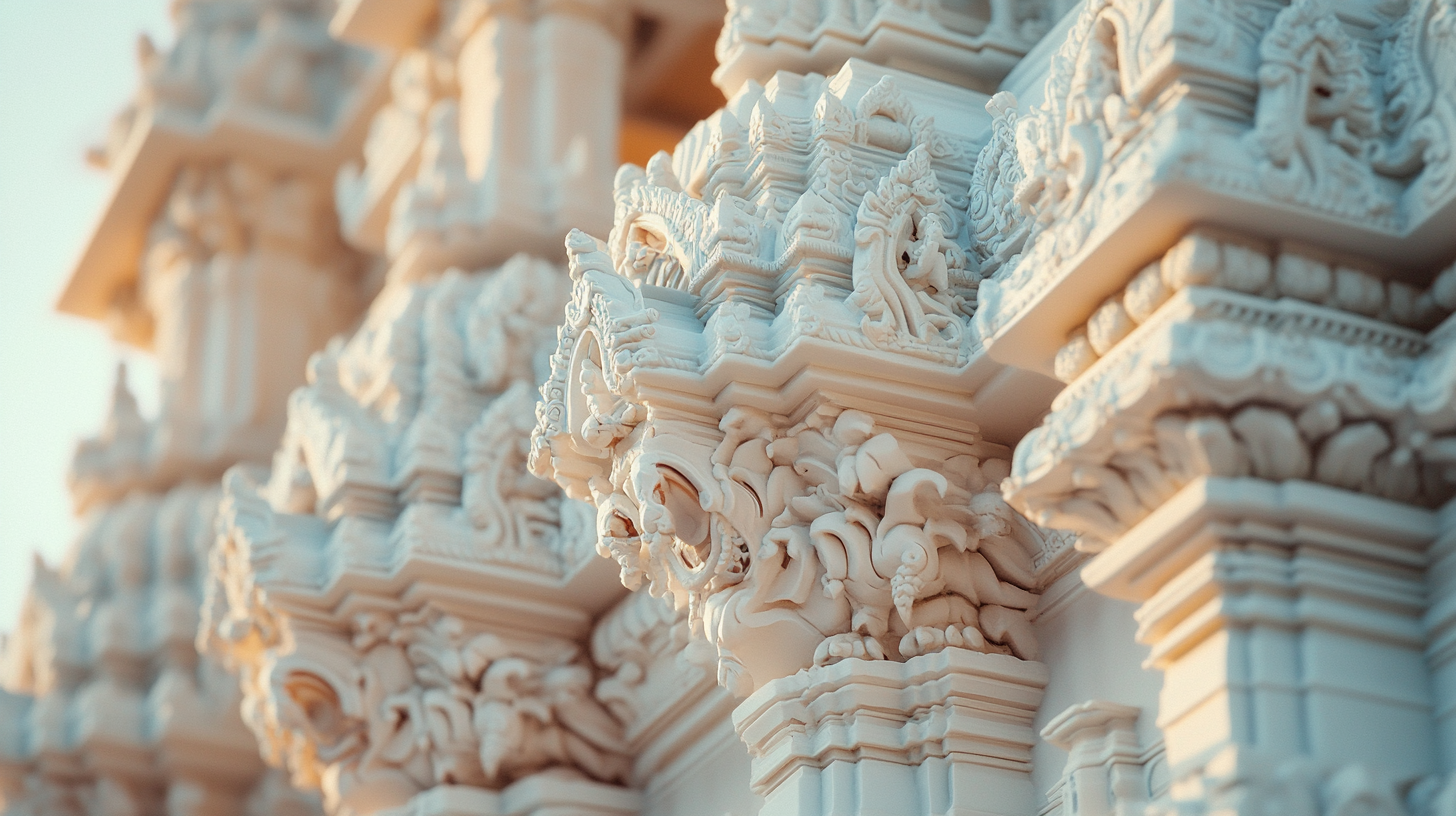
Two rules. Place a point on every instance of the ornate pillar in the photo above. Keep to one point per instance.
(411, 613)
(218, 251)
(405, 606)
(768, 385)
(1227, 245)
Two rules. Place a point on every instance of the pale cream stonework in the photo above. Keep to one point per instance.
(219, 250)
(1014, 407)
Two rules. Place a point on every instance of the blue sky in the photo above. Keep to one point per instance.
(65, 67)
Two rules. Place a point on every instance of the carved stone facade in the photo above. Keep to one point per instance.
(410, 612)
(1014, 407)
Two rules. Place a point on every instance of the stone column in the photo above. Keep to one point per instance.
(832, 739)
(1253, 441)
(1440, 622)
(768, 387)
(1106, 770)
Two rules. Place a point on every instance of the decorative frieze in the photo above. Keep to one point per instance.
(968, 44)
(1255, 423)
(751, 507)
(409, 609)
(1155, 116)
(1221, 382)
(1252, 455)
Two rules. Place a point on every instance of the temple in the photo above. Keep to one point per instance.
(779, 408)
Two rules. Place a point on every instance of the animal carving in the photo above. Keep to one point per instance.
(824, 540)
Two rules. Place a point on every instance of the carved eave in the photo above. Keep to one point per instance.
(1280, 390)
(742, 327)
(936, 39)
(306, 609)
(1188, 147)
(1228, 358)
(163, 138)
(310, 570)
(523, 601)
(958, 406)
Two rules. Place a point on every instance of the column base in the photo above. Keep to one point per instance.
(943, 733)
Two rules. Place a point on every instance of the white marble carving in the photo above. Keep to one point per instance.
(401, 476)
(413, 615)
(805, 530)
(1254, 429)
(1001, 406)
(1139, 106)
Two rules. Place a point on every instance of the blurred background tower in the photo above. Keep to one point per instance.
(218, 251)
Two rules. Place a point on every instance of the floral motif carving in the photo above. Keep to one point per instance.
(1163, 414)
(1241, 264)
(1040, 165)
(404, 465)
(427, 403)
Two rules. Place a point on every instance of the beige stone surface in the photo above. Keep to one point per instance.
(1005, 407)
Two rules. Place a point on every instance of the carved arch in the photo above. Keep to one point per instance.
(654, 241)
